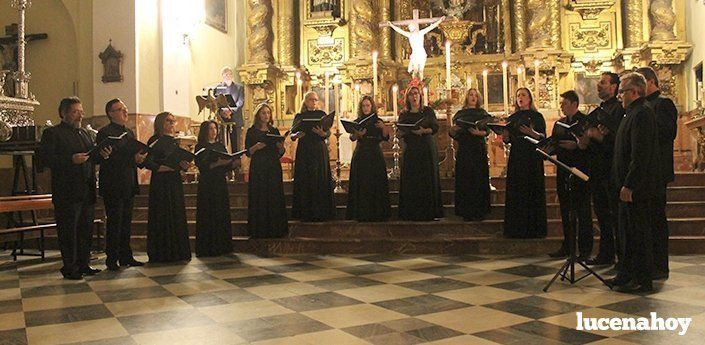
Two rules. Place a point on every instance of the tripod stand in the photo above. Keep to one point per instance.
(567, 271)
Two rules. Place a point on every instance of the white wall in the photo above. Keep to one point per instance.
(695, 34)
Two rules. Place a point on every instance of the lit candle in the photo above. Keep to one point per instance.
(395, 89)
(448, 86)
(298, 90)
(468, 82)
(327, 96)
(537, 63)
(374, 74)
(555, 89)
(425, 96)
(484, 86)
(336, 94)
(505, 90)
(520, 76)
(356, 96)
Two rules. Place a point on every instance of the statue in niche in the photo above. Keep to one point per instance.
(112, 64)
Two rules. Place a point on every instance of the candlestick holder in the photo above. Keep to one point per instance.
(395, 172)
(338, 182)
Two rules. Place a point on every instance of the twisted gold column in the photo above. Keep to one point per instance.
(259, 41)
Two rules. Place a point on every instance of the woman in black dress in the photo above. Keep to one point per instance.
(420, 183)
(266, 210)
(368, 194)
(525, 211)
(313, 183)
(213, 230)
(167, 233)
(472, 171)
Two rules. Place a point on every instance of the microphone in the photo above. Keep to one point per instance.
(531, 140)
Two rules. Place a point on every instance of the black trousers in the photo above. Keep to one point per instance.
(74, 224)
(604, 202)
(661, 232)
(579, 203)
(635, 223)
(118, 228)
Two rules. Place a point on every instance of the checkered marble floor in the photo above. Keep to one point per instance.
(331, 299)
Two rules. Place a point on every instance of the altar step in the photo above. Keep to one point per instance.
(674, 209)
(239, 199)
(443, 229)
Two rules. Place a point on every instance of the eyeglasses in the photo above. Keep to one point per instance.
(621, 91)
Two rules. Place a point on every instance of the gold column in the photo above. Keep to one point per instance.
(386, 32)
(360, 29)
(519, 24)
(539, 25)
(662, 20)
(259, 41)
(555, 18)
(634, 18)
(286, 39)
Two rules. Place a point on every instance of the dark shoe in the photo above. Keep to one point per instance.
(90, 271)
(581, 258)
(598, 261)
(131, 263)
(112, 265)
(559, 254)
(73, 276)
(659, 275)
(636, 287)
(617, 281)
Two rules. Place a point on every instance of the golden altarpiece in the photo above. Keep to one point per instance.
(296, 45)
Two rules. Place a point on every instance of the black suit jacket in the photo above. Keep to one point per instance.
(666, 119)
(70, 183)
(636, 159)
(575, 158)
(118, 173)
(602, 153)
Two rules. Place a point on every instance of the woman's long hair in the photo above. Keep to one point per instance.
(257, 122)
(203, 131)
(303, 104)
(359, 105)
(532, 106)
(479, 99)
(159, 121)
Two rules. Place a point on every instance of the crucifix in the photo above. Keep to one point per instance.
(8, 46)
(415, 35)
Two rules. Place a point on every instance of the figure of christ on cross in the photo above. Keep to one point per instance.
(417, 60)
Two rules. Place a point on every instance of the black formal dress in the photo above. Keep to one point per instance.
(635, 161)
(266, 210)
(73, 194)
(368, 192)
(577, 199)
(604, 198)
(213, 230)
(313, 182)
(167, 231)
(420, 183)
(525, 209)
(118, 186)
(472, 170)
(666, 121)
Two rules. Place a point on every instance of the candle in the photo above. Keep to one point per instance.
(448, 86)
(425, 96)
(537, 97)
(468, 82)
(336, 94)
(555, 89)
(484, 86)
(356, 96)
(298, 90)
(374, 75)
(327, 96)
(505, 91)
(520, 76)
(395, 89)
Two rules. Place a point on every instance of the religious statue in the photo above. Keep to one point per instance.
(417, 60)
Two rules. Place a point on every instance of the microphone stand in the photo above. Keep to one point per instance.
(567, 271)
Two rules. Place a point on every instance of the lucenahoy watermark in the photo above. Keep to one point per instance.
(654, 323)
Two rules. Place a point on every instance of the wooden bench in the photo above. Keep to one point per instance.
(32, 204)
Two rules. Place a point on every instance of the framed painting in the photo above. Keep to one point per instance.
(586, 87)
(217, 14)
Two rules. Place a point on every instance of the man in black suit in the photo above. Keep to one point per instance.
(666, 120)
(118, 187)
(604, 202)
(578, 201)
(64, 150)
(232, 114)
(635, 173)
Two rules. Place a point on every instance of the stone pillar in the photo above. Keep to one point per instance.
(662, 20)
(260, 38)
(539, 24)
(634, 19)
(287, 38)
(519, 26)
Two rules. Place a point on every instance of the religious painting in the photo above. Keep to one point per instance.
(217, 15)
(495, 92)
(586, 87)
(112, 64)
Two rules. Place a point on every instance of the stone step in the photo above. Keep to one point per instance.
(446, 228)
(683, 193)
(682, 179)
